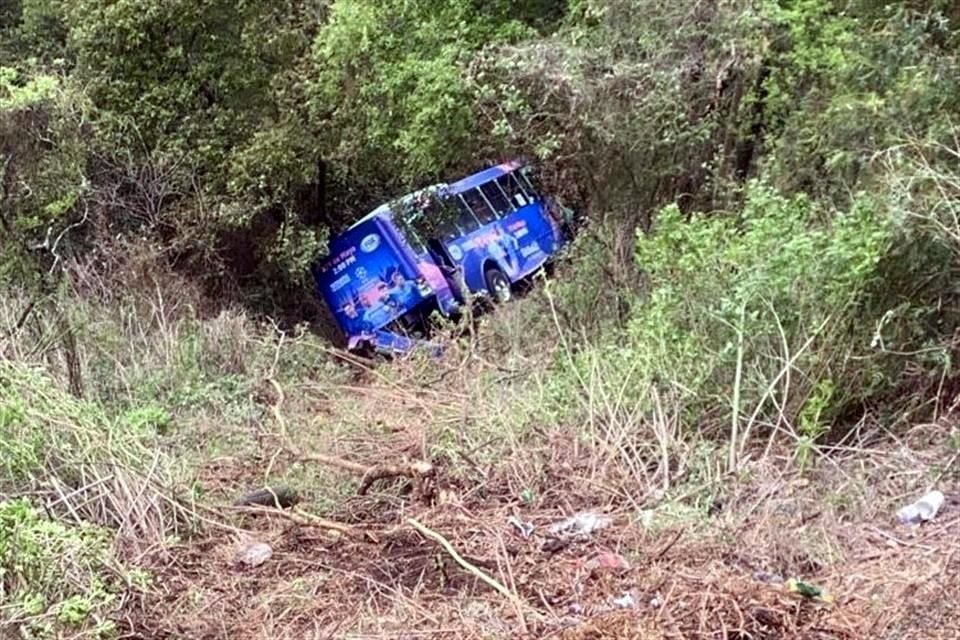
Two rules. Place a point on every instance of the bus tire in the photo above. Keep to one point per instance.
(498, 285)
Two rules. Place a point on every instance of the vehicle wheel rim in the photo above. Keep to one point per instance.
(501, 289)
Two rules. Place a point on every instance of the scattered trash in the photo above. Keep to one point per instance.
(656, 601)
(924, 509)
(553, 545)
(527, 496)
(255, 554)
(582, 524)
(525, 528)
(608, 562)
(626, 601)
(808, 590)
(766, 576)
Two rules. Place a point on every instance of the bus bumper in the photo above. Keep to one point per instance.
(389, 343)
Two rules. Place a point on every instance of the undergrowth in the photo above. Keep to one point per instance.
(56, 579)
(791, 168)
(95, 491)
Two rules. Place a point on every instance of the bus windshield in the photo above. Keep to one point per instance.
(414, 239)
(440, 218)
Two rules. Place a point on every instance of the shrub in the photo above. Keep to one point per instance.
(744, 316)
(55, 579)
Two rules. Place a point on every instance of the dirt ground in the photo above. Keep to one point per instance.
(721, 573)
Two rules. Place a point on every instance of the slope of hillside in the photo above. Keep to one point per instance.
(746, 359)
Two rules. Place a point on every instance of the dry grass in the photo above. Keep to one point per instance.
(82, 468)
(708, 548)
(722, 579)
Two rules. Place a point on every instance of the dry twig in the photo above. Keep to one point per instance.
(471, 568)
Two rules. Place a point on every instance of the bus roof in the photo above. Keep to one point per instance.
(460, 186)
(385, 207)
(481, 177)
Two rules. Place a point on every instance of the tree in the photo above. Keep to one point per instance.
(210, 81)
(390, 77)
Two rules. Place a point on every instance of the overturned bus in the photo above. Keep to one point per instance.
(424, 252)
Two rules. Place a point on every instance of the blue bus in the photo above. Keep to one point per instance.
(427, 250)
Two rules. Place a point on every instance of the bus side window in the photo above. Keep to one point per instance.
(497, 198)
(475, 208)
(530, 182)
(514, 190)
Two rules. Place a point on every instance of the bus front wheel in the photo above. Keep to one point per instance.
(498, 285)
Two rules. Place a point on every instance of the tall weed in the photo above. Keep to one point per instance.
(744, 316)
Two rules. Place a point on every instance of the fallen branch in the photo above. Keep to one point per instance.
(418, 471)
(331, 461)
(663, 551)
(470, 568)
(303, 518)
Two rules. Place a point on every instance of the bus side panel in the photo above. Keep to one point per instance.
(475, 250)
(369, 280)
(533, 237)
(518, 244)
(430, 279)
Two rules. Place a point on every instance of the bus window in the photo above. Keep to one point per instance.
(515, 191)
(530, 181)
(437, 220)
(410, 233)
(497, 198)
(473, 201)
(465, 218)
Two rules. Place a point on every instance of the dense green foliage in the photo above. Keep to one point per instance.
(273, 121)
(226, 141)
(392, 73)
(796, 303)
(785, 279)
(239, 135)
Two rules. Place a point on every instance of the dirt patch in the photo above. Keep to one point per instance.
(722, 582)
(720, 572)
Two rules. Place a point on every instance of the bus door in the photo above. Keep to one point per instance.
(432, 260)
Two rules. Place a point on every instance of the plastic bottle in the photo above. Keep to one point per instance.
(924, 509)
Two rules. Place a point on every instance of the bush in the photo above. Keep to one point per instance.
(55, 580)
(745, 316)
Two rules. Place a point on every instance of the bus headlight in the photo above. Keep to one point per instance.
(423, 287)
